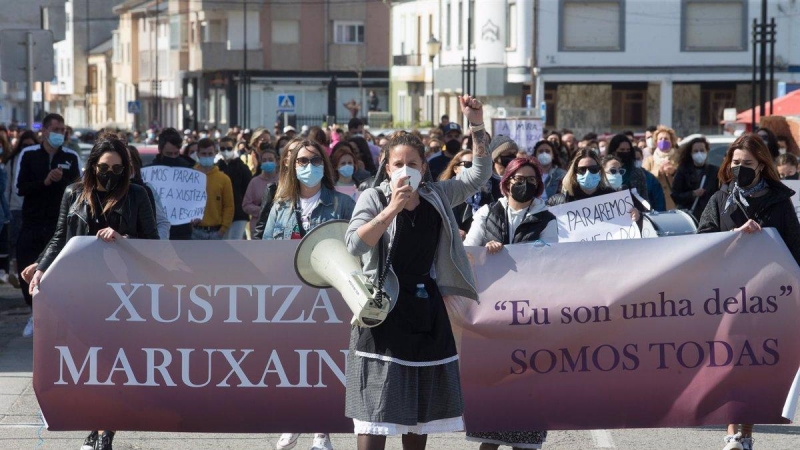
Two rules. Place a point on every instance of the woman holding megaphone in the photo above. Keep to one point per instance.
(402, 375)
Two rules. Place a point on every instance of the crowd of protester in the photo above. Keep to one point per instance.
(281, 183)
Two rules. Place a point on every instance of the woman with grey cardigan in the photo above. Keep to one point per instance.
(402, 376)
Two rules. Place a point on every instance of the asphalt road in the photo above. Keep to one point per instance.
(21, 425)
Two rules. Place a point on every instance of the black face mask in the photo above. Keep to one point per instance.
(744, 176)
(109, 180)
(452, 146)
(796, 176)
(523, 192)
(626, 157)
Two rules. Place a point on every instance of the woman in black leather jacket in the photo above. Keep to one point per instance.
(107, 205)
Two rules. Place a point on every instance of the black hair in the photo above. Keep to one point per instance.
(354, 123)
(48, 119)
(772, 141)
(169, 136)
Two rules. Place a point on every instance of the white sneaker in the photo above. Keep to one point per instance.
(733, 442)
(321, 442)
(28, 331)
(287, 441)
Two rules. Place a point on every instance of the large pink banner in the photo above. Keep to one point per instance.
(666, 332)
(222, 336)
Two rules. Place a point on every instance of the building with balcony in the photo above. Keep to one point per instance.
(602, 66)
(244, 57)
(100, 97)
(86, 28)
(150, 55)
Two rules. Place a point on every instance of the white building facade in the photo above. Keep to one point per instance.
(602, 65)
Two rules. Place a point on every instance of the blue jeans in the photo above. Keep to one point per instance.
(204, 235)
(236, 231)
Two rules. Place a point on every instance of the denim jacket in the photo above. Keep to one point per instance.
(282, 219)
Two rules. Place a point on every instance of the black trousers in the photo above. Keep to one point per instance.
(180, 232)
(32, 241)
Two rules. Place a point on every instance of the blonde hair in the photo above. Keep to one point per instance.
(450, 171)
(673, 138)
(570, 184)
(289, 185)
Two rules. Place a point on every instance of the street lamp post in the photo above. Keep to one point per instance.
(433, 49)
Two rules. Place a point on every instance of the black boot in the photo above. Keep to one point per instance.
(90, 442)
(104, 441)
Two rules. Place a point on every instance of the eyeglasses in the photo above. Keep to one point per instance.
(519, 179)
(303, 161)
(465, 164)
(116, 168)
(614, 171)
(593, 169)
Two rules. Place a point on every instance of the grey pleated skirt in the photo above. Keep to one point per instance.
(390, 397)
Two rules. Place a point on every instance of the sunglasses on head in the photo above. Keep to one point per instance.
(592, 169)
(303, 161)
(116, 168)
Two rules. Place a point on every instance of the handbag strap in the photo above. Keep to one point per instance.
(384, 263)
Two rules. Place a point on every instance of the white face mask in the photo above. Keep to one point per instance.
(545, 158)
(638, 163)
(649, 142)
(781, 150)
(415, 176)
(699, 158)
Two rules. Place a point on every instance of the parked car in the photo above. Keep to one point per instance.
(718, 144)
(147, 153)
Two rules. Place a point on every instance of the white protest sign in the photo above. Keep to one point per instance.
(182, 191)
(526, 132)
(795, 186)
(603, 218)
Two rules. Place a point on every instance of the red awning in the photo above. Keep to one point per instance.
(788, 105)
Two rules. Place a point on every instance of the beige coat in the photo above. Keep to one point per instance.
(666, 180)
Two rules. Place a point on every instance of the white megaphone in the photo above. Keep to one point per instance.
(322, 261)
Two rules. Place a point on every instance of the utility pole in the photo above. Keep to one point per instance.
(88, 72)
(245, 90)
(763, 62)
(157, 86)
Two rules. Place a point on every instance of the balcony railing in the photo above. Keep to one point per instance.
(407, 60)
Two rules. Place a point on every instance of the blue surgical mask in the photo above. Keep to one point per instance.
(589, 180)
(55, 139)
(206, 161)
(346, 171)
(615, 180)
(268, 167)
(310, 175)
